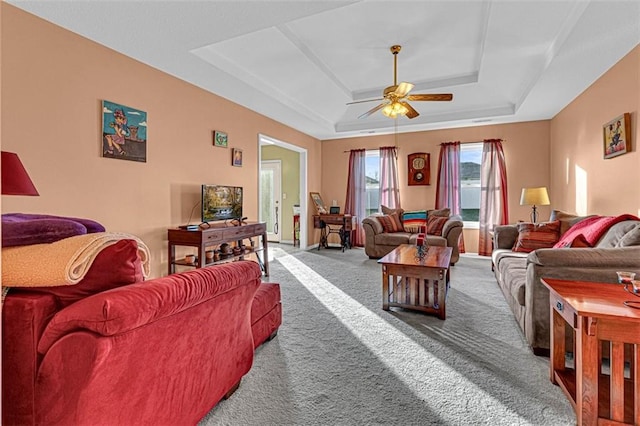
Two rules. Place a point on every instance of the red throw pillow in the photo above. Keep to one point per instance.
(391, 223)
(435, 224)
(532, 236)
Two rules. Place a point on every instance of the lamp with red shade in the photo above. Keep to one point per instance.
(15, 179)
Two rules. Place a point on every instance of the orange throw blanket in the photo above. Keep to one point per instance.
(591, 229)
(63, 262)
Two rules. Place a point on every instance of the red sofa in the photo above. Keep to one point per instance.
(116, 350)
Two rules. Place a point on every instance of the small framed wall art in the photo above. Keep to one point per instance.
(220, 139)
(317, 201)
(617, 136)
(236, 157)
(419, 169)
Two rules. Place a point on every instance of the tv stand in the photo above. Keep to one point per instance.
(215, 235)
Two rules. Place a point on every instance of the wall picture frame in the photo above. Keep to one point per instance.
(617, 136)
(318, 203)
(124, 132)
(236, 157)
(220, 139)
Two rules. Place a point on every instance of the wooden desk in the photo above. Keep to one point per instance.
(342, 224)
(600, 320)
(215, 235)
(416, 283)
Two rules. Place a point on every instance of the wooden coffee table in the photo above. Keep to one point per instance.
(413, 283)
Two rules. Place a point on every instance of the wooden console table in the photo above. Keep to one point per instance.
(600, 320)
(343, 225)
(214, 236)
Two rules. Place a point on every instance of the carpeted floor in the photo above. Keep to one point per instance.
(339, 359)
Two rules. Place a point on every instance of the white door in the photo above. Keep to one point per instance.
(271, 190)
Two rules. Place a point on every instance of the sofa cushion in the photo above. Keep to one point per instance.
(567, 220)
(532, 236)
(511, 272)
(435, 224)
(413, 220)
(499, 254)
(600, 231)
(430, 240)
(631, 238)
(391, 223)
(616, 233)
(392, 238)
(446, 212)
(389, 210)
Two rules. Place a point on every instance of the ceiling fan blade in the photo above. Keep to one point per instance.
(412, 113)
(372, 110)
(366, 100)
(431, 97)
(403, 89)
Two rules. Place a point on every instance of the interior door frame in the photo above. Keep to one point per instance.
(267, 140)
(277, 201)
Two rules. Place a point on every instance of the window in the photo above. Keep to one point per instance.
(470, 161)
(372, 178)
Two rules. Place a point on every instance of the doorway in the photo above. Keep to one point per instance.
(271, 198)
(293, 190)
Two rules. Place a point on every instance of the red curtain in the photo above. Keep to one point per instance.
(355, 203)
(494, 207)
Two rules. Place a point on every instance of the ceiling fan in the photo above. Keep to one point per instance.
(395, 97)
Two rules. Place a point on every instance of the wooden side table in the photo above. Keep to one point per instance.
(597, 314)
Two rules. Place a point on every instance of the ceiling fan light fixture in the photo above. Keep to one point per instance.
(395, 109)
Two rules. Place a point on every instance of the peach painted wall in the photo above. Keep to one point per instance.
(582, 179)
(526, 147)
(53, 82)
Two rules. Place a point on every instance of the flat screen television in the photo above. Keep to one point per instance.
(221, 202)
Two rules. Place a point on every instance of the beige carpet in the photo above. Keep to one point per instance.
(339, 359)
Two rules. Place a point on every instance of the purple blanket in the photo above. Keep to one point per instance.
(21, 229)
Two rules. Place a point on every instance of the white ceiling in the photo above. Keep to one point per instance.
(301, 62)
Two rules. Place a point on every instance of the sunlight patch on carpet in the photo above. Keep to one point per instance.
(410, 362)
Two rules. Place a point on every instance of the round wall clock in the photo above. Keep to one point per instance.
(419, 170)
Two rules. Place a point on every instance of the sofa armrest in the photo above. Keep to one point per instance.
(605, 258)
(504, 236)
(577, 264)
(452, 229)
(127, 308)
(374, 225)
(24, 319)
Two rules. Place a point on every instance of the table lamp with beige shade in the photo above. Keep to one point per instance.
(534, 197)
